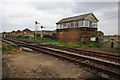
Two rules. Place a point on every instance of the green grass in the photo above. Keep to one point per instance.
(93, 45)
(8, 48)
(56, 42)
(19, 37)
(65, 44)
(59, 43)
(44, 40)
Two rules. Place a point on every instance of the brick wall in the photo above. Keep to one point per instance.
(75, 34)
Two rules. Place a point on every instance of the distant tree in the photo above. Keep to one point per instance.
(4, 32)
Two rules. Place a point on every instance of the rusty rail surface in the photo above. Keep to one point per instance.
(105, 63)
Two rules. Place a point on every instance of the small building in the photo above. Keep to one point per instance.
(27, 32)
(47, 33)
(19, 32)
(4, 34)
(77, 28)
(16, 33)
(13, 33)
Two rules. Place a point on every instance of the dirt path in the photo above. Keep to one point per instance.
(36, 65)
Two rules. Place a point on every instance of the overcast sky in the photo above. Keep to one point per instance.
(21, 15)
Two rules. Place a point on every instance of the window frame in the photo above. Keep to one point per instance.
(81, 23)
(87, 23)
(76, 24)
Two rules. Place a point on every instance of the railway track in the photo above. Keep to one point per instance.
(103, 56)
(105, 63)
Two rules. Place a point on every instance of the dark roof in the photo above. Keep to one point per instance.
(75, 18)
(12, 31)
(27, 30)
(99, 32)
(18, 31)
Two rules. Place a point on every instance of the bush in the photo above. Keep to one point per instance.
(93, 44)
(7, 48)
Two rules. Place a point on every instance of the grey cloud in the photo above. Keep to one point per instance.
(100, 5)
(108, 19)
(119, 17)
(93, 6)
(52, 6)
(20, 16)
(49, 5)
(111, 15)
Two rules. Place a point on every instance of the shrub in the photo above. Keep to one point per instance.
(7, 48)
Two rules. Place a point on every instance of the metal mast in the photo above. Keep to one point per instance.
(36, 28)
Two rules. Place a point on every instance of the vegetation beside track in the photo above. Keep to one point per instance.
(8, 48)
(58, 43)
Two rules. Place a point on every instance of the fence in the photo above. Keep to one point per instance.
(111, 43)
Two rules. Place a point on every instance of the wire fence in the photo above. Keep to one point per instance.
(111, 42)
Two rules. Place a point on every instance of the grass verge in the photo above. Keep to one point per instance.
(59, 43)
(8, 48)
